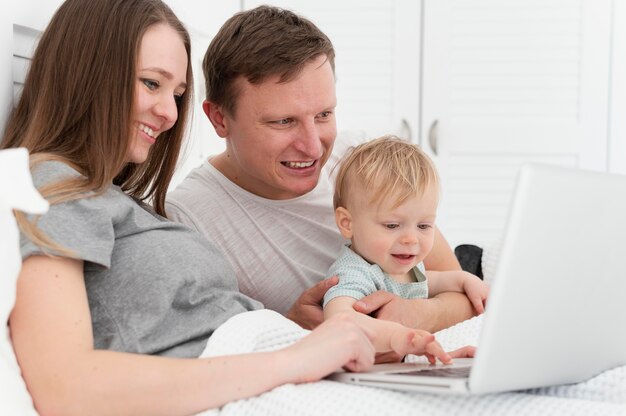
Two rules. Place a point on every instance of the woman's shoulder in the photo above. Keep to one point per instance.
(50, 171)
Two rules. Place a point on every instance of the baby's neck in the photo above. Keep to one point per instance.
(408, 277)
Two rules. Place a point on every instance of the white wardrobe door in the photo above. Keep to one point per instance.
(508, 82)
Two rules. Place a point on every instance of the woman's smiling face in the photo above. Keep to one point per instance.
(160, 82)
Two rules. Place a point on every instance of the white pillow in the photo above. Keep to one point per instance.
(489, 262)
(16, 192)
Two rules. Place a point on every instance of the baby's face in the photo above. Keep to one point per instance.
(396, 239)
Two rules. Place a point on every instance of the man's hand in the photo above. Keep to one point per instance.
(434, 314)
(307, 311)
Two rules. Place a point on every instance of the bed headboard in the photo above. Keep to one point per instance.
(17, 44)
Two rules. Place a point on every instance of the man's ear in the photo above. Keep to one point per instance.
(216, 116)
(344, 222)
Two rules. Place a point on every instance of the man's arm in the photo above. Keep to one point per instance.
(441, 257)
(432, 315)
(439, 312)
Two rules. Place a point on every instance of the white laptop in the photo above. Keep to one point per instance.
(558, 297)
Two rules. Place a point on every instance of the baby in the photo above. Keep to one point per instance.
(386, 197)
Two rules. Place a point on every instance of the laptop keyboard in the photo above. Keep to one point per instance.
(458, 372)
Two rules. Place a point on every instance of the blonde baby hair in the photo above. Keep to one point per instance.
(384, 167)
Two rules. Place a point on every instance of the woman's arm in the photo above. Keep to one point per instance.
(387, 335)
(52, 336)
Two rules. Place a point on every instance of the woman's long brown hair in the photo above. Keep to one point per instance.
(77, 103)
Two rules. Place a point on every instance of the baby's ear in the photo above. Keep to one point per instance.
(344, 222)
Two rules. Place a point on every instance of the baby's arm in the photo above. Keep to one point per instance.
(388, 335)
(459, 281)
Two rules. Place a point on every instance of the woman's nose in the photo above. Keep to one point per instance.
(167, 109)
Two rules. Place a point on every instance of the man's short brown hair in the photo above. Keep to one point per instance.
(259, 43)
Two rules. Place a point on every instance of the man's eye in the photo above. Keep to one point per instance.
(151, 84)
(391, 226)
(324, 114)
(283, 121)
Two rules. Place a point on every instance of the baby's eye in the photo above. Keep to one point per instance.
(424, 226)
(151, 84)
(391, 226)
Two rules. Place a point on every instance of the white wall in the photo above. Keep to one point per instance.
(202, 19)
(33, 13)
(6, 84)
(617, 121)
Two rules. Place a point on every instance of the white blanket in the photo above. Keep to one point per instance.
(266, 330)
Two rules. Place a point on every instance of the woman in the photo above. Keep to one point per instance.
(113, 321)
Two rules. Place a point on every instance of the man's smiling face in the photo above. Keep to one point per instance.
(281, 134)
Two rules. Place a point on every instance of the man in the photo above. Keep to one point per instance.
(267, 199)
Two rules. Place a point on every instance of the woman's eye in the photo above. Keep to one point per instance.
(151, 84)
(391, 226)
(178, 99)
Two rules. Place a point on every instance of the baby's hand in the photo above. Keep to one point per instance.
(419, 342)
(476, 291)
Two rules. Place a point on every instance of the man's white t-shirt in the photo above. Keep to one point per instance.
(278, 249)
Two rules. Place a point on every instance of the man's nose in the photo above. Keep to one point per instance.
(308, 141)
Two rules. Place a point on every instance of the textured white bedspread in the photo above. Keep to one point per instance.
(265, 330)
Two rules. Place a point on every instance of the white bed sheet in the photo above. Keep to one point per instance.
(265, 330)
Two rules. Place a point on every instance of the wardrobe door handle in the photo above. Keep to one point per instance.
(432, 136)
(406, 128)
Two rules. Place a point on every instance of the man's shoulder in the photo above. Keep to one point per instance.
(200, 188)
(192, 196)
(197, 177)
